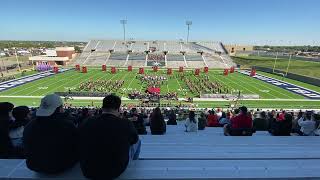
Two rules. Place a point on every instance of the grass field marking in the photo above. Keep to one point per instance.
(40, 82)
(297, 83)
(63, 84)
(92, 76)
(212, 75)
(131, 81)
(290, 94)
(181, 89)
(265, 85)
(244, 80)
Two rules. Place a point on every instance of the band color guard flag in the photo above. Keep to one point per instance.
(113, 70)
(84, 69)
(104, 67)
(141, 70)
(226, 72)
(77, 67)
(197, 72)
(180, 69)
(56, 69)
(206, 69)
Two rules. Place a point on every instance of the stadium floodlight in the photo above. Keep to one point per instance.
(288, 64)
(16, 53)
(188, 23)
(275, 62)
(124, 22)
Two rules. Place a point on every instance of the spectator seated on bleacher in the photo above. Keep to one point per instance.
(22, 116)
(241, 125)
(260, 123)
(307, 124)
(172, 118)
(137, 120)
(191, 122)
(157, 123)
(6, 148)
(202, 121)
(107, 142)
(50, 141)
(213, 119)
(223, 120)
(282, 127)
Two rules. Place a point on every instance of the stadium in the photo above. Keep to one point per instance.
(195, 74)
(154, 106)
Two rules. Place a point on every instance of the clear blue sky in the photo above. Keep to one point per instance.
(230, 21)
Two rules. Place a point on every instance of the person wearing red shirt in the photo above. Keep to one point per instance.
(241, 125)
(281, 116)
(213, 120)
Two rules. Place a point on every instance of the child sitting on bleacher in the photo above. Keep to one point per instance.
(191, 123)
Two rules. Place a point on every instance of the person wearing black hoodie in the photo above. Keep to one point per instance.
(172, 118)
(6, 147)
(157, 123)
(107, 143)
(50, 141)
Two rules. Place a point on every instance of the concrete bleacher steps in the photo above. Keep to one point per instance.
(206, 154)
(184, 169)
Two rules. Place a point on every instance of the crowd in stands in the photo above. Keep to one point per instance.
(104, 140)
(156, 57)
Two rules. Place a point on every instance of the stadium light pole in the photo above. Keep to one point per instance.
(17, 60)
(188, 23)
(124, 22)
(275, 62)
(288, 64)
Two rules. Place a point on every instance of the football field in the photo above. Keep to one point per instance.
(270, 96)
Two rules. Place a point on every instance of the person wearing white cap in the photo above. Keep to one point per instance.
(50, 141)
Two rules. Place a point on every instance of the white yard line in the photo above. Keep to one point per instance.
(251, 87)
(271, 89)
(54, 83)
(37, 84)
(232, 83)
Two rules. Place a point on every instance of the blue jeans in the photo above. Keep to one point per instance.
(134, 151)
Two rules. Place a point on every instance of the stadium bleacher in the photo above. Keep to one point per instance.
(117, 59)
(136, 59)
(175, 60)
(205, 154)
(96, 53)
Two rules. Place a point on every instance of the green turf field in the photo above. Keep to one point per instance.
(71, 79)
(270, 96)
(306, 68)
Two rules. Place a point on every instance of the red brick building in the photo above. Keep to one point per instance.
(62, 57)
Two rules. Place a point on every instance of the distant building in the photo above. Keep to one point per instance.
(58, 56)
(23, 52)
(233, 48)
